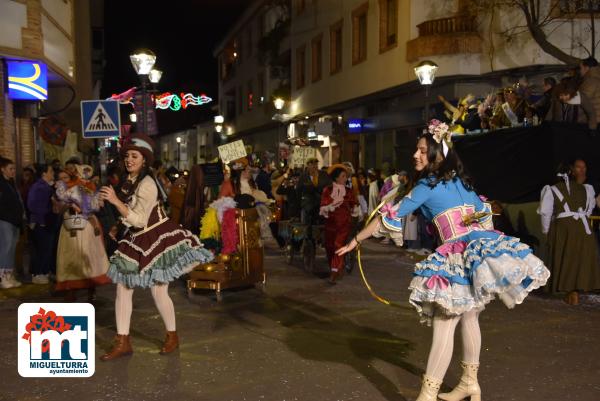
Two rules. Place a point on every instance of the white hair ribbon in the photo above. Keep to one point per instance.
(445, 148)
(565, 177)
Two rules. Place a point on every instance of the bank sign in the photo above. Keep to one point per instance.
(56, 340)
(27, 80)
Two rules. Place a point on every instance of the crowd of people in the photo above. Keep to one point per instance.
(573, 98)
(143, 227)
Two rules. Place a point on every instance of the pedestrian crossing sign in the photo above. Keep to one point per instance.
(100, 118)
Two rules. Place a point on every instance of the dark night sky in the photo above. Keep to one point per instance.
(182, 34)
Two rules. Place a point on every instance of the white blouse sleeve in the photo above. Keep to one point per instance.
(546, 208)
(590, 203)
(144, 200)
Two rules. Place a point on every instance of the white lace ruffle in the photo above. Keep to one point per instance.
(500, 276)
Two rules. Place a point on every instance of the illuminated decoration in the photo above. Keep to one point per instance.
(171, 101)
(166, 100)
(27, 80)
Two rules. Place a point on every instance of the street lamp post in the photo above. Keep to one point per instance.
(279, 104)
(143, 60)
(178, 139)
(425, 72)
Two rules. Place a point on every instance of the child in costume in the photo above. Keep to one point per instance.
(81, 261)
(154, 251)
(472, 266)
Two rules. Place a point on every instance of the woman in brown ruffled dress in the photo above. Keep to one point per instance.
(154, 251)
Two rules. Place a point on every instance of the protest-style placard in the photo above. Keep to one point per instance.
(302, 154)
(232, 151)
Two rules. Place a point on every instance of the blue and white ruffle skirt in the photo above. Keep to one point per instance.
(468, 273)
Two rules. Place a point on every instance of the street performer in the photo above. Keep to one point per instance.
(154, 250)
(473, 265)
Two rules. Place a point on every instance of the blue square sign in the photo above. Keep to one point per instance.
(100, 118)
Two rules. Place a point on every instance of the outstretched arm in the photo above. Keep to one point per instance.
(361, 236)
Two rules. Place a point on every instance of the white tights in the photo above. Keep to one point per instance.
(443, 342)
(124, 305)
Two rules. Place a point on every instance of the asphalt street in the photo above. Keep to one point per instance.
(301, 339)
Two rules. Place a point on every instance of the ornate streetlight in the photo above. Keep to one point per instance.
(143, 60)
(425, 72)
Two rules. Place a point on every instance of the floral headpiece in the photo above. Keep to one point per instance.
(441, 134)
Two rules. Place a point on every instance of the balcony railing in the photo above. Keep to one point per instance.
(443, 26)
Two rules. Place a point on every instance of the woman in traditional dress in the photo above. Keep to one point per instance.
(565, 208)
(81, 261)
(474, 264)
(154, 251)
(337, 206)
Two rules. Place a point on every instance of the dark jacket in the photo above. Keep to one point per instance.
(263, 182)
(310, 195)
(576, 113)
(11, 206)
(291, 207)
(39, 203)
(543, 104)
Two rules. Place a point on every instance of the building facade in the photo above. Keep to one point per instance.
(253, 61)
(353, 65)
(55, 33)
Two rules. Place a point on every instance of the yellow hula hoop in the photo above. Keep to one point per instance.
(362, 272)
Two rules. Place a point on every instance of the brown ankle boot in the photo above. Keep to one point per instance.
(121, 348)
(171, 343)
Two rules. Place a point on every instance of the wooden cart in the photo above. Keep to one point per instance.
(241, 269)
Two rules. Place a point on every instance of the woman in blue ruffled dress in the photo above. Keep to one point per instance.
(474, 264)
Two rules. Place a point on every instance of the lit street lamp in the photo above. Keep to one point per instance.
(425, 72)
(143, 61)
(279, 104)
(178, 139)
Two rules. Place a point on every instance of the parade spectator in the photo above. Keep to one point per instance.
(590, 85)
(12, 214)
(42, 221)
(310, 187)
(193, 205)
(337, 206)
(374, 177)
(176, 198)
(56, 167)
(287, 189)
(564, 209)
(572, 106)
(263, 179)
(543, 104)
(108, 214)
(27, 180)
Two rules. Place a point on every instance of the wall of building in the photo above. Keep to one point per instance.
(379, 71)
